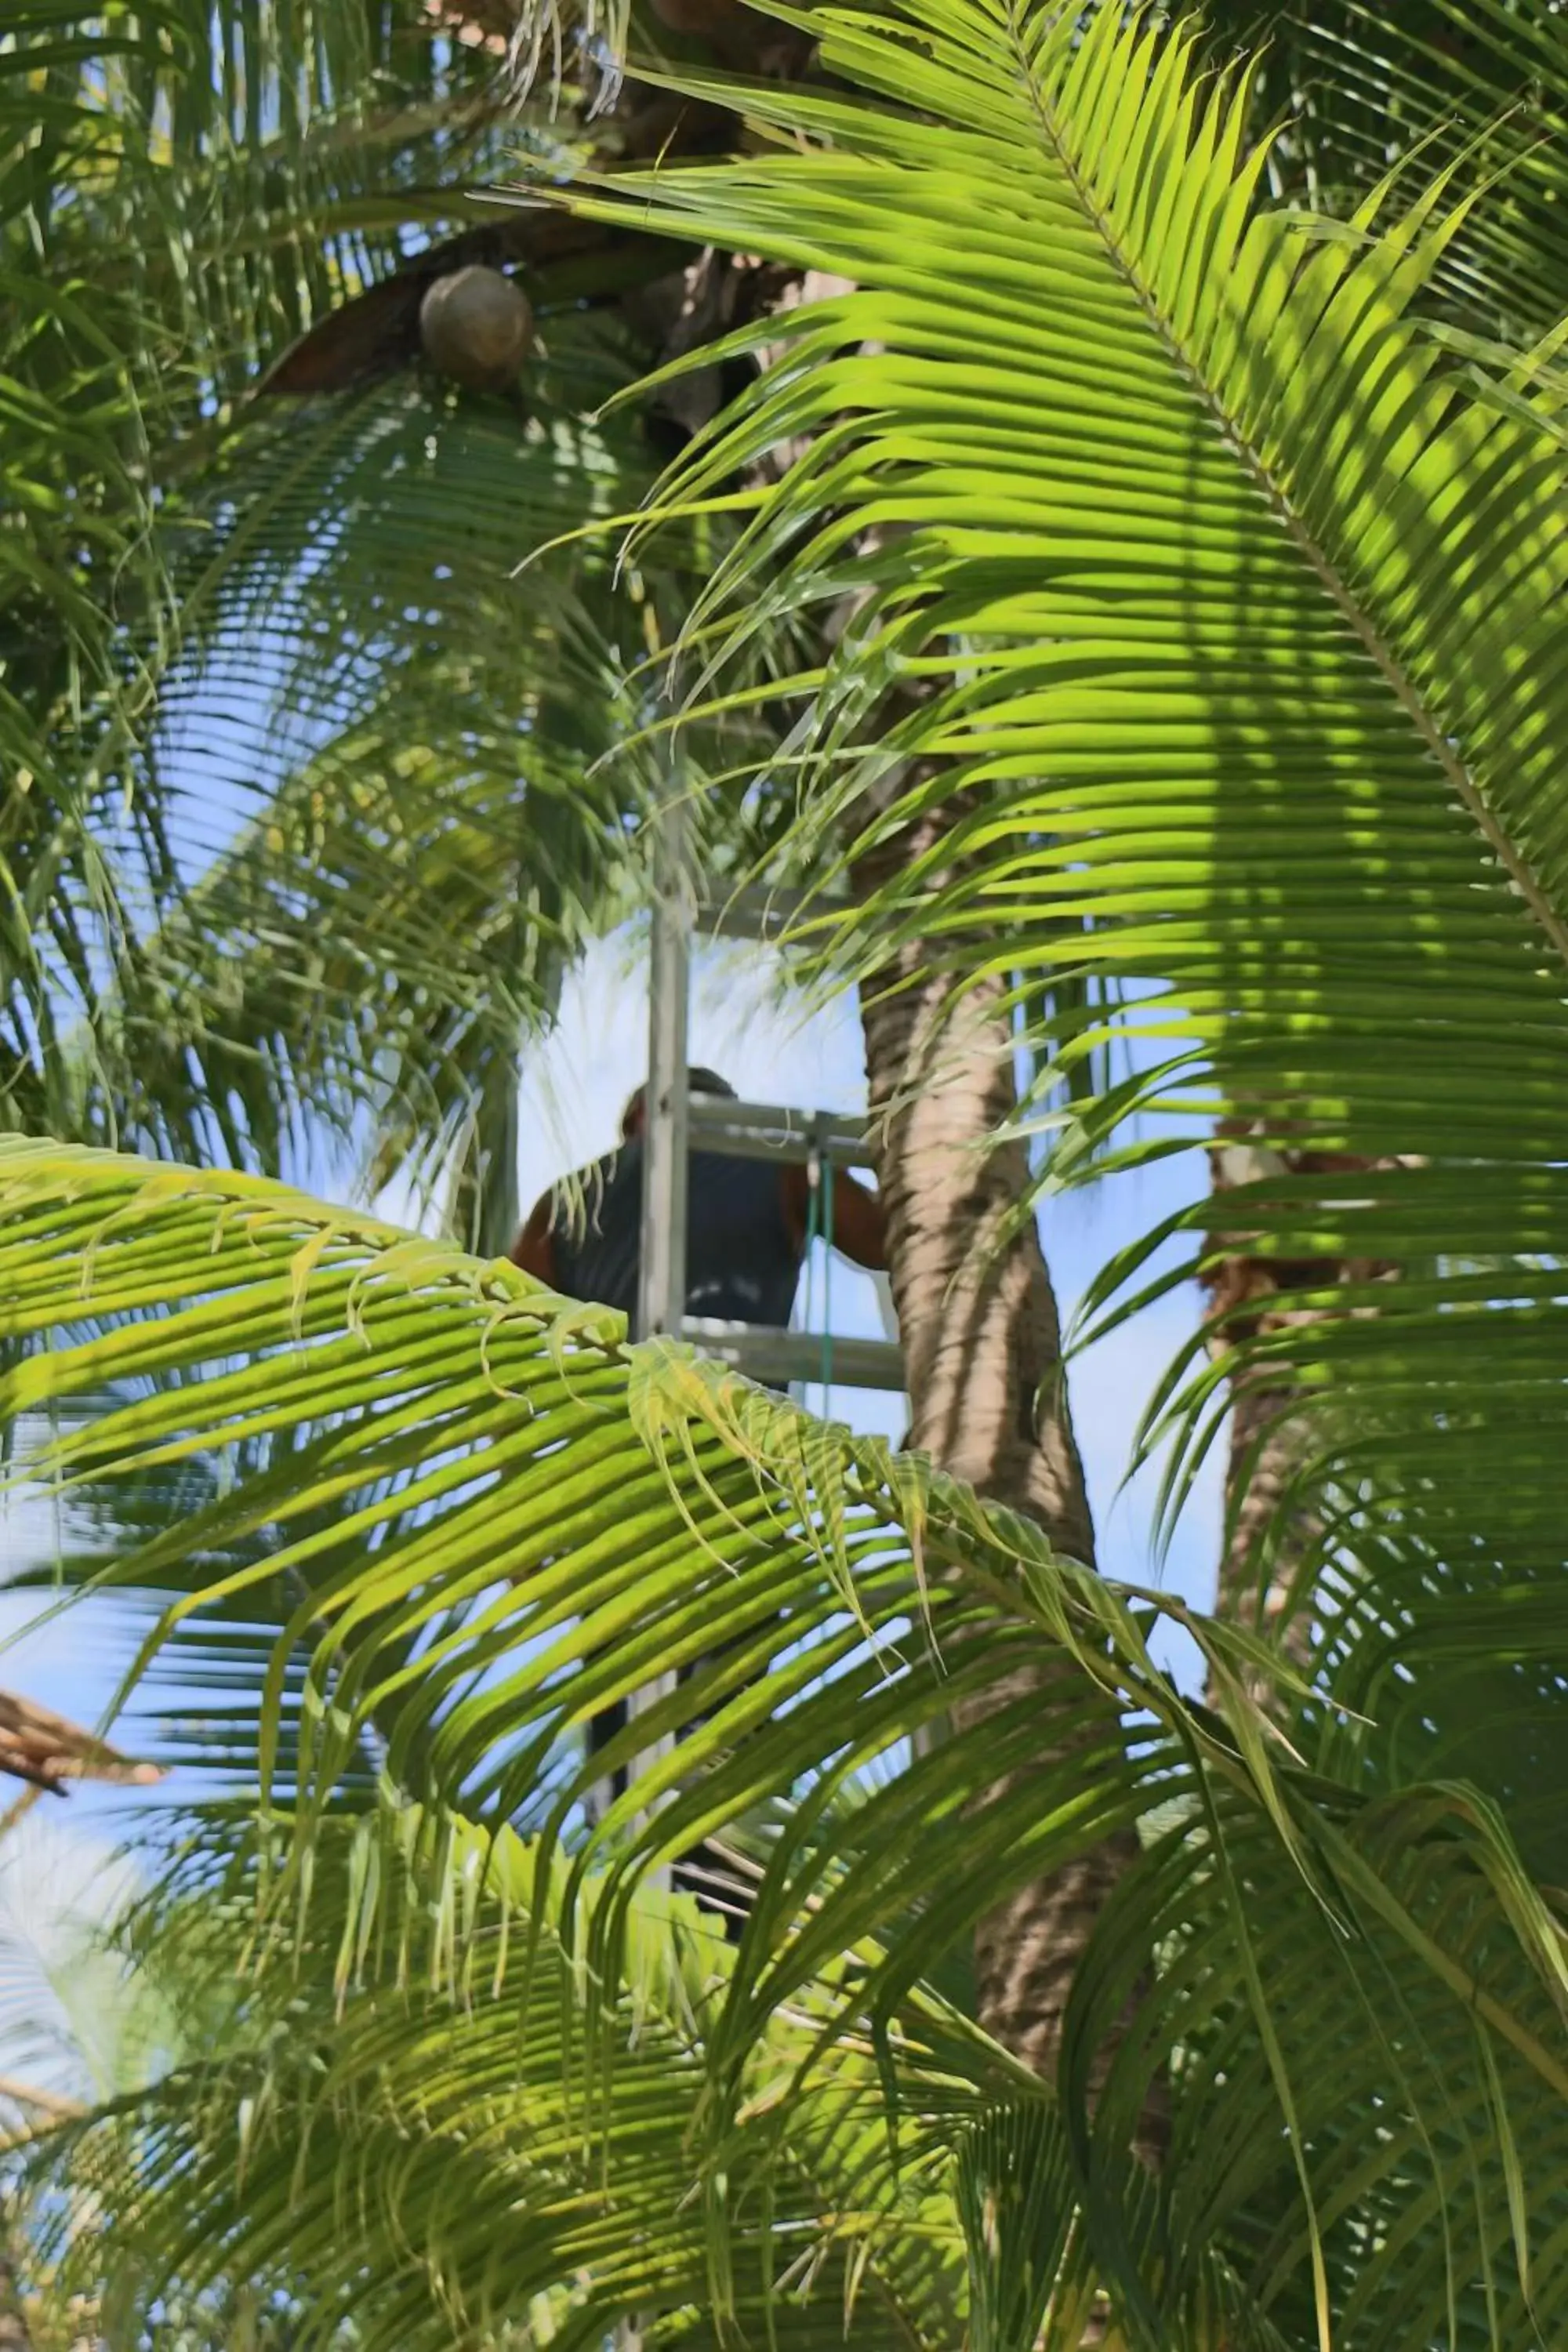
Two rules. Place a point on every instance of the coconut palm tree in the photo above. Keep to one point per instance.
(391, 924)
(1178, 699)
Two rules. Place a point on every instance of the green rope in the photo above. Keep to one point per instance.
(810, 1190)
(819, 1221)
(825, 1163)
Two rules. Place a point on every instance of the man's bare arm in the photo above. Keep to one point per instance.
(858, 1227)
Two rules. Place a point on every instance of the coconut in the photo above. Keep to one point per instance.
(476, 326)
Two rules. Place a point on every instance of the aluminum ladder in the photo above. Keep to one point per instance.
(675, 1122)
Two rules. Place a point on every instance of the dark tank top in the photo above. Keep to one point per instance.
(742, 1261)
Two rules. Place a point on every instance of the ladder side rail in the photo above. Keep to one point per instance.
(661, 1278)
(661, 1270)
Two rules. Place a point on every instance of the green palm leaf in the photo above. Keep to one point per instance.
(501, 1520)
(1477, 83)
(415, 841)
(1228, 617)
(188, 644)
(449, 2075)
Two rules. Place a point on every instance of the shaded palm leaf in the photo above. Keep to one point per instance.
(1359, 90)
(425, 2025)
(550, 1520)
(259, 165)
(398, 839)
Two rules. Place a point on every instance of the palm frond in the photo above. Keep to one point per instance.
(1228, 611)
(505, 1520)
(427, 2039)
(396, 841)
(1481, 85)
(69, 2020)
(318, 796)
(257, 165)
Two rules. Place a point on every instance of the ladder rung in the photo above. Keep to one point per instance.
(765, 1353)
(768, 1131)
(755, 912)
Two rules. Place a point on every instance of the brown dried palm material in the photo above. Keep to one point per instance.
(1272, 1534)
(42, 1747)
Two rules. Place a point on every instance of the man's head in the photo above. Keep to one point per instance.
(697, 1082)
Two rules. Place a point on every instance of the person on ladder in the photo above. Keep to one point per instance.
(748, 1225)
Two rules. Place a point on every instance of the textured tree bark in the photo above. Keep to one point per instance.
(1265, 1454)
(1265, 1566)
(983, 1347)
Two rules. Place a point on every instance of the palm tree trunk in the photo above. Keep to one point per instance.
(983, 1350)
(1273, 1528)
(1265, 1454)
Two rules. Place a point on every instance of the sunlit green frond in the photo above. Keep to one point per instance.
(501, 1520)
(1228, 616)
